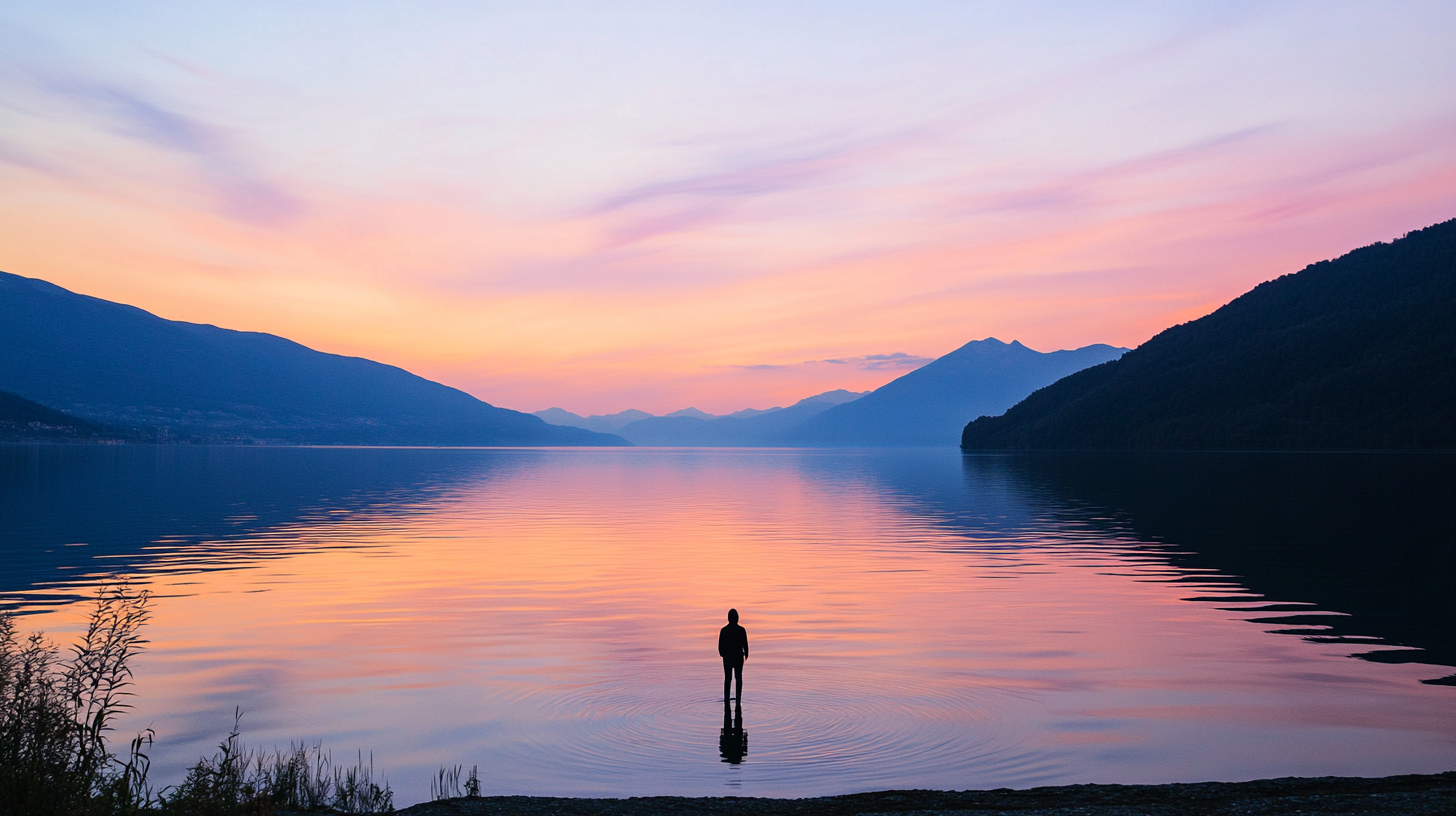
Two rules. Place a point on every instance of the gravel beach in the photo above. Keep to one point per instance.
(1416, 795)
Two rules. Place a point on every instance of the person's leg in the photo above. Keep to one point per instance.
(738, 672)
(727, 679)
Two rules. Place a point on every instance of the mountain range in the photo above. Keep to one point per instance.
(927, 406)
(113, 371)
(739, 429)
(1353, 353)
(691, 427)
(115, 364)
(1357, 352)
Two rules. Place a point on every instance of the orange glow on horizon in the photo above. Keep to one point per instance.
(706, 250)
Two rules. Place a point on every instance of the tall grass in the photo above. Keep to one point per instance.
(236, 781)
(446, 784)
(56, 713)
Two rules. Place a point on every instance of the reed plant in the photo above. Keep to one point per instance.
(236, 781)
(56, 713)
(56, 716)
(447, 785)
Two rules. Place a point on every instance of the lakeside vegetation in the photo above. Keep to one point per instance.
(57, 715)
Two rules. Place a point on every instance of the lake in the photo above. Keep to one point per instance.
(917, 618)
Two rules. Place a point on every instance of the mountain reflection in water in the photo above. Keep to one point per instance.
(71, 514)
(919, 618)
(1354, 548)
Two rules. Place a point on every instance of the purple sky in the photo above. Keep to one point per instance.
(719, 205)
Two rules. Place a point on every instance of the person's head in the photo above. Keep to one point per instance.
(733, 616)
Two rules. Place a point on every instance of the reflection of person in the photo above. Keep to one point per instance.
(733, 648)
(732, 740)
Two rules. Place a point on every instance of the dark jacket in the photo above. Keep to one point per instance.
(733, 644)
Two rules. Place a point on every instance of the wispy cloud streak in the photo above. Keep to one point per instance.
(898, 361)
(881, 362)
(673, 205)
(242, 191)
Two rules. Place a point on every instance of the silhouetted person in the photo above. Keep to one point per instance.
(732, 740)
(733, 648)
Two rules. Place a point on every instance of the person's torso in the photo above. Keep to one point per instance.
(732, 641)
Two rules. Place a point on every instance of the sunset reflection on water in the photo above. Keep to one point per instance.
(551, 616)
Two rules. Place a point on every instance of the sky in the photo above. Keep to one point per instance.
(602, 206)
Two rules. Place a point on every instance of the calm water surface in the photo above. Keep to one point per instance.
(917, 618)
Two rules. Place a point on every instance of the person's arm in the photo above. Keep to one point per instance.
(745, 644)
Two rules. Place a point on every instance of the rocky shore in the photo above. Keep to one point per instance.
(1432, 795)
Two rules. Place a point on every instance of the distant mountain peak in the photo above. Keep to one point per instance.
(930, 405)
(601, 423)
(838, 396)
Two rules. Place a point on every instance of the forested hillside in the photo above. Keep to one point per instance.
(1354, 353)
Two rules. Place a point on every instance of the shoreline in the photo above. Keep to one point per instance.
(1413, 794)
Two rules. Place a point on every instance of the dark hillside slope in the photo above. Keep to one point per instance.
(22, 420)
(1354, 353)
(18, 410)
(931, 404)
(112, 363)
